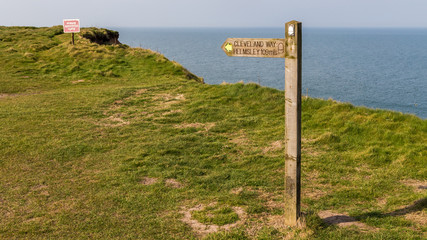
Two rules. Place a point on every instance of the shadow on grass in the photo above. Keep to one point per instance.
(418, 205)
(338, 219)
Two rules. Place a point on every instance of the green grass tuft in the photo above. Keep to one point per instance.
(216, 215)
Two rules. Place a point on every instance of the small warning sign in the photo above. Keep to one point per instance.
(71, 25)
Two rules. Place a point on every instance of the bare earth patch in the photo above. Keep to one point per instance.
(148, 181)
(342, 220)
(78, 81)
(173, 183)
(418, 185)
(202, 229)
(236, 190)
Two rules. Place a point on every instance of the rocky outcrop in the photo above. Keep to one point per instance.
(101, 36)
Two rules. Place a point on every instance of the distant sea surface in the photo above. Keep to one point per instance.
(376, 68)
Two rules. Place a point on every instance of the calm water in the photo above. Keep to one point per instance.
(377, 68)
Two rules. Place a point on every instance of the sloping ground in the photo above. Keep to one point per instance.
(110, 142)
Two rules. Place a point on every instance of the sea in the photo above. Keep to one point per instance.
(375, 68)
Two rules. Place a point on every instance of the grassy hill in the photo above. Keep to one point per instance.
(111, 142)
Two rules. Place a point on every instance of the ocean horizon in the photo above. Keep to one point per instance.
(384, 68)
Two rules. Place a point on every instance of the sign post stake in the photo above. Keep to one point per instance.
(71, 26)
(289, 48)
(293, 57)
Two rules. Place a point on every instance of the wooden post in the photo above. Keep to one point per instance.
(289, 48)
(293, 57)
(72, 38)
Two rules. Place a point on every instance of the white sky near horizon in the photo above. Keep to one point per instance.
(216, 13)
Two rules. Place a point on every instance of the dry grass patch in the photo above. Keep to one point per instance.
(382, 201)
(276, 221)
(202, 229)
(78, 81)
(172, 112)
(166, 97)
(311, 151)
(10, 95)
(119, 121)
(166, 100)
(173, 183)
(141, 91)
(419, 186)
(270, 200)
(274, 147)
(114, 118)
(419, 218)
(416, 206)
(137, 93)
(63, 205)
(205, 126)
(236, 190)
(148, 181)
(299, 232)
(240, 138)
(313, 193)
(312, 188)
(308, 148)
(113, 121)
(41, 190)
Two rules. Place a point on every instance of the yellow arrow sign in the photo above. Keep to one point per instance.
(228, 47)
(254, 47)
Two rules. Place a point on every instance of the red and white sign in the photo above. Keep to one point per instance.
(71, 25)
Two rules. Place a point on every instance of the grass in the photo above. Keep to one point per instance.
(82, 127)
(216, 215)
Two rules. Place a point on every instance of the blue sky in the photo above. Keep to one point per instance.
(216, 13)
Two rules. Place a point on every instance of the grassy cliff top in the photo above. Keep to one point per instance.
(111, 142)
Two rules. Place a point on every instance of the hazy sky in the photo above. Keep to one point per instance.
(216, 13)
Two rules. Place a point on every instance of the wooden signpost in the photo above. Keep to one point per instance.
(254, 47)
(289, 48)
(71, 26)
